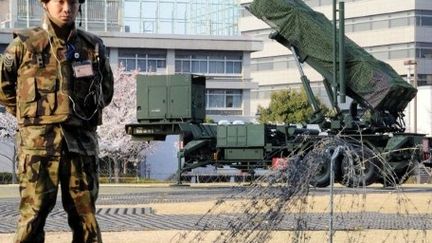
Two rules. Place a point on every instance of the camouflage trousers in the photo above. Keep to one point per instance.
(39, 178)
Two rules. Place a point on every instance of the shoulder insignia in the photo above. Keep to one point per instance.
(8, 60)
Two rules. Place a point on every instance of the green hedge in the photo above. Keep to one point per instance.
(5, 178)
(126, 180)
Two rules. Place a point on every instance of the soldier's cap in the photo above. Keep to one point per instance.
(45, 1)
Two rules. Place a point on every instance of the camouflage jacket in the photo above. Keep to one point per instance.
(40, 84)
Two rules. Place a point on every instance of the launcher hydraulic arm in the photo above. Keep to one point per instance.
(371, 83)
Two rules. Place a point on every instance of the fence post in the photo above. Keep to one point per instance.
(334, 157)
(14, 178)
(116, 171)
(137, 165)
(109, 170)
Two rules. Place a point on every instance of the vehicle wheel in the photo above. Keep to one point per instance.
(319, 162)
(359, 168)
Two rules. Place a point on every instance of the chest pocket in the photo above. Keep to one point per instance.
(26, 92)
(37, 93)
(46, 87)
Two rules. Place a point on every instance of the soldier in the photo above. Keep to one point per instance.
(56, 79)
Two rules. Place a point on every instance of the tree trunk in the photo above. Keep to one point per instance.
(116, 170)
(125, 163)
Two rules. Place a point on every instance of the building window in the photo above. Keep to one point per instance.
(374, 22)
(225, 112)
(388, 21)
(224, 99)
(314, 3)
(424, 79)
(216, 65)
(146, 61)
(208, 62)
(424, 18)
(272, 63)
(216, 99)
(424, 53)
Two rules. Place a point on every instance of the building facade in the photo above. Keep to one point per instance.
(190, 17)
(224, 60)
(394, 31)
(193, 17)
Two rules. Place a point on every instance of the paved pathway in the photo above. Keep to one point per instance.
(113, 217)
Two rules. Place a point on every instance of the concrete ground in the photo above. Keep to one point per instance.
(276, 237)
(161, 213)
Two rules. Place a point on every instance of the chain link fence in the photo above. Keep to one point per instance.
(285, 198)
(7, 163)
(112, 171)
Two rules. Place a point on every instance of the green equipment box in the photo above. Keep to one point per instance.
(247, 135)
(242, 142)
(172, 98)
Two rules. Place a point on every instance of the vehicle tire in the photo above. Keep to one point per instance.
(359, 167)
(319, 162)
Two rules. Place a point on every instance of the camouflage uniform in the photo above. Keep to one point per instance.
(57, 111)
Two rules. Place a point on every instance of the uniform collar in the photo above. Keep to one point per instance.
(52, 34)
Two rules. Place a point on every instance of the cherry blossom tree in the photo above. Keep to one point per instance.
(114, 142)
(8, 127)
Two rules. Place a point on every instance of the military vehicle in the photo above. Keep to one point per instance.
(373, 128)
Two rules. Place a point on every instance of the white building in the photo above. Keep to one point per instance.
(392, 30)
(154, 37)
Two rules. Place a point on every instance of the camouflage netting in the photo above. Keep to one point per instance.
(368, 80)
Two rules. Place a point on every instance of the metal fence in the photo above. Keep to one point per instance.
(111, 171)
(7, 163)
(130, 172)
(217, 17)
(27, 13)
